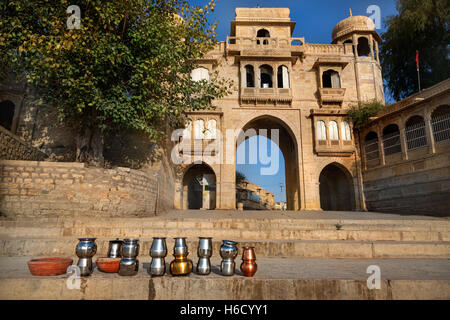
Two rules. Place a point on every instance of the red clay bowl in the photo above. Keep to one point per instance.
(110, 265)
(49, 266)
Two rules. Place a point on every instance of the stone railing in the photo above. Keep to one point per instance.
(335, 49)
(267, 94)
(238, 43)
(332, 94)
(13, 148)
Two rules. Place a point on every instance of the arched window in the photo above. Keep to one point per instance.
(345, 131)
(334, 134)
(371, 149)
(266, 74)
(415, 132)
(199, 128)
(331, 79)
(283, 77)
(321, 130)
(263, 33)
(187, 132)
(6, 114)
(199, 74)
(374, 50)
(391, 140)
(210, 134)
(250, 76)
(363, 47)
(440, 122)
(351, 42)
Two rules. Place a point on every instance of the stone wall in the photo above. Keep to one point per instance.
(32, 188)
(13, 148)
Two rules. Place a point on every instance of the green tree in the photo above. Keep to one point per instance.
(240, 177)
(420, 25)
(127, 68)
(361, 113)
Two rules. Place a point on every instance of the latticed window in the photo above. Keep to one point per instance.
(391, 140)
(199, 128)
(415, 131)
(440, 122)
(371, 149)
(210, 134)
(199, 74)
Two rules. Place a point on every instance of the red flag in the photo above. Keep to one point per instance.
(417, 59)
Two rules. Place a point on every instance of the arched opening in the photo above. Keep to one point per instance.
(440, 122)
(391, 140)
(199, 187)
(263, 33)
(415, 132)
(350, 42)
(266, 73)
(371, 150)
(334, 132)
(321, 132)
(331, 79)
(345, 132)
(267, 154)
(363, 47)
(336, 188)
(249, 76)
(283, 77)
(6, 114)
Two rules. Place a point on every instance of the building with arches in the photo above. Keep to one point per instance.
(301, 89)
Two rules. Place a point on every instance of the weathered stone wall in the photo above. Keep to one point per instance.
(32, 188)
(12, 148)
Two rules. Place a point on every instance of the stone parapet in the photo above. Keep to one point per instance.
(13, 148)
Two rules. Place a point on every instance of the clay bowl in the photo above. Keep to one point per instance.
(110, 265)
(49, 266)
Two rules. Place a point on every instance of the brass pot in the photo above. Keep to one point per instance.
(248, 265)
(181, 266)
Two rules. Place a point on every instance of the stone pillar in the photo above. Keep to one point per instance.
(381, 145)
(376, 50)
(429, 131)
(403, 140)
(371, 46)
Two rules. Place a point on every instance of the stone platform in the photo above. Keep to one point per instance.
(301, 255)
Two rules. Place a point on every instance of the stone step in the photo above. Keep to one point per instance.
(264, 248)
(234, 223)
(272, 234)
(276, 279)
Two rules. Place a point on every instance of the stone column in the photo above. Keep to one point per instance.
(381, 145)
(429, 131)
(371, 46)
(403, 140)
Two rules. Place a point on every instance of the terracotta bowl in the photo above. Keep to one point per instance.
(110, 265)
(49, 266)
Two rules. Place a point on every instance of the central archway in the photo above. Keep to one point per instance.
(288, 145)
(336, 188)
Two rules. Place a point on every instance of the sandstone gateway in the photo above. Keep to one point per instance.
(399, 162)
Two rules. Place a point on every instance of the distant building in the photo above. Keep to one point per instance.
(254, 197)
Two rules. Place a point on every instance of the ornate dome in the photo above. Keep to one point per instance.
(354, 24)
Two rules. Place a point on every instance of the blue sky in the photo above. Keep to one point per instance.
(314, 20)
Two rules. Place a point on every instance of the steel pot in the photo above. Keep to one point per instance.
(180, 246)
(130, 248)
(158, 248)
(115, 249)
(86, 248)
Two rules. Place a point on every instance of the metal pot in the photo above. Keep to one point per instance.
(248, 265)
(203, 266)
(180, 246)
(128, 267)
(157, 267)
(204, 252)
(228, 252)
(85, 250)
(130, 248)
(227, 267)
(181, 266)
(115, 248)
(158, 248)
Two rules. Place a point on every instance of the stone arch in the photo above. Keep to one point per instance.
(391, 139)
(249, 76)
(283, 77)
(266, 76)
(263, 33)
(363, 47)
(7, 109)
(198, 187)
(336, 188)
(331, 79)
(415, 132)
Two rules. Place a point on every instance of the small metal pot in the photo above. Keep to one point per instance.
(204, 247)
(128, 267)
(115, 249)
(181, 266)
(227, 267)
(248, 265)
(130, 248)
(158, 248)
(158, 267)
(229, 249)
(180, 246)
(85, 250)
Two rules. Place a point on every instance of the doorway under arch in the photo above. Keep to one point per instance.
(287, 143)
(199, 187)
(336, 188)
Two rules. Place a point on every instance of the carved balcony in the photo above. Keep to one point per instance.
(331, 95)
(261, 46)
(266, 96)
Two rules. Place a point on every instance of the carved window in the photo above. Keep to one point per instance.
(331, 79)
(334, 134)
(266, 75)
(345, 131)
(263, 33)
(321, 131)
(210, 133)
(199, 128)
(363, 47)
(440, 122)
(283, 77)
(187, 132)
(249, 76)
(199, 74)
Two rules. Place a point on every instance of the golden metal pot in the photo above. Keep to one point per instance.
(181, 266)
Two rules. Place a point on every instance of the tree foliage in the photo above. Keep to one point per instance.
(420, 25)
(127, 68)
(361, 113)
(240, 177)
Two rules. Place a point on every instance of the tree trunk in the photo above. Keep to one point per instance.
(90, 147)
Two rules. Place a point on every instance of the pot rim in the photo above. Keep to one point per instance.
(59, 260)
(159, 237)
(87, 239)
(131, 240)
(230, 242)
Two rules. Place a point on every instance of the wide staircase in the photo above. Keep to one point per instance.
(300, 255)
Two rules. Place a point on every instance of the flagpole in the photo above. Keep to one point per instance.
(418, 77)
(417, 66)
